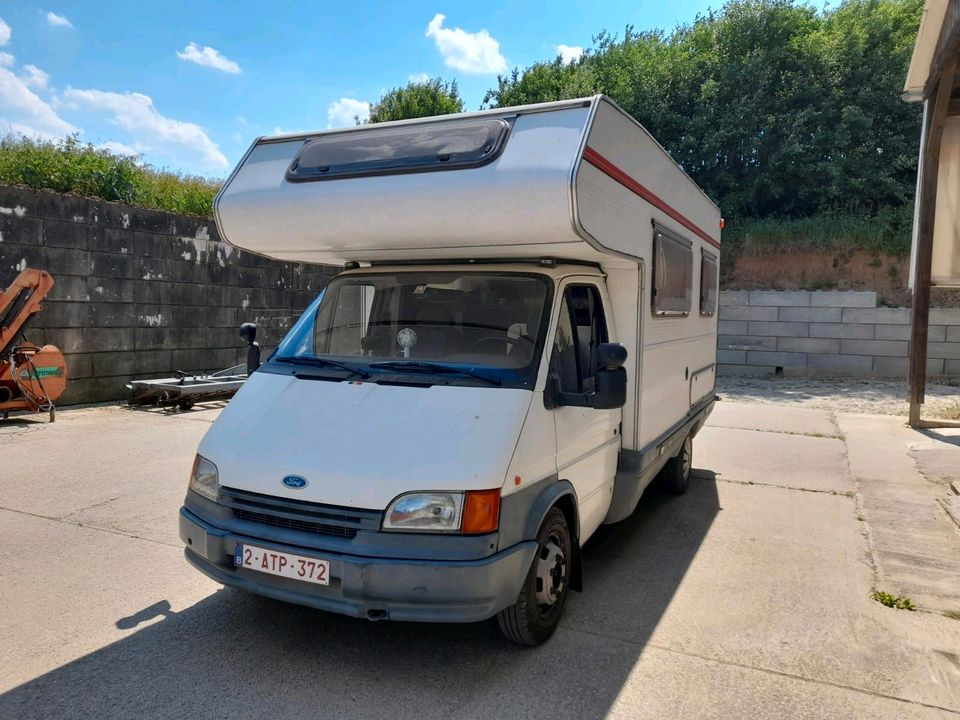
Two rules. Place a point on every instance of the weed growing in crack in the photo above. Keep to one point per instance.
(892, 601)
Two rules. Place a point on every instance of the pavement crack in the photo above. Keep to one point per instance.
(765, 670)
(825, 436)
(64, 521)
(90, 507)
(832, 415)
(871, 557)
(838, 493)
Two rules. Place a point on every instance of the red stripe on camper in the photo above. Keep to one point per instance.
(611, 170)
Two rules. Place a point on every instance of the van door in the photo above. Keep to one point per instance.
(588, 440)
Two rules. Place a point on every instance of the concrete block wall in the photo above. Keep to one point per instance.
(142, 293)
(824, 332)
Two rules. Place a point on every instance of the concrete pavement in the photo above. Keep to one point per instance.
(748, 597)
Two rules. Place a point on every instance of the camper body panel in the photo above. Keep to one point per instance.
(624, 219)
(617, 144)
(521, 199)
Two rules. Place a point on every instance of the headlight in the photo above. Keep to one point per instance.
(472, 512)
(204, 479)
(435, 512)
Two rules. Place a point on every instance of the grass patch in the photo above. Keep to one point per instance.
(953, 614)
(69, 166)
(951, 412)
(892, 601)
(886, 232)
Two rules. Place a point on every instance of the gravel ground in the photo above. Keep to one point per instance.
(881, 397)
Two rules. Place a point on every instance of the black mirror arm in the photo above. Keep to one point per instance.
(567, 399)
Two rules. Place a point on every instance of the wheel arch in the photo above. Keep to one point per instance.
(567, 503)
(523, 513)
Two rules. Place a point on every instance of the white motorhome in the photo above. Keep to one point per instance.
(523, 338)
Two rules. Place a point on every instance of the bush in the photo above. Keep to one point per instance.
(69, 166)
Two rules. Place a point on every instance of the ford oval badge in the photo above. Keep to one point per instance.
(295, 481)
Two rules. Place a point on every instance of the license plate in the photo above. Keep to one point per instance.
(283, 564)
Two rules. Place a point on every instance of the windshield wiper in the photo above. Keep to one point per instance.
(322, 362)
(420, 366)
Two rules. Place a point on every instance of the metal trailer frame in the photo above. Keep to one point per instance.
(186, 389)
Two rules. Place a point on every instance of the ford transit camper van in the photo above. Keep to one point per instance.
(523, 338)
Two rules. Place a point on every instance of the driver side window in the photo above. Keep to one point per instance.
(581, 328)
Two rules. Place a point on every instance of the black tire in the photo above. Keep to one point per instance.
(530, 621)
(675, 476)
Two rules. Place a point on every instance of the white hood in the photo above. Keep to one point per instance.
(362, 444)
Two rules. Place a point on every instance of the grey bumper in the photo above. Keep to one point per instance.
(368, 587)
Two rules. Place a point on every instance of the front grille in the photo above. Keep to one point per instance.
(299, 515)
(291, 524)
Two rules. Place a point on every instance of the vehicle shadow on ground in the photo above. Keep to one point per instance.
(941, 437)
(234, 655)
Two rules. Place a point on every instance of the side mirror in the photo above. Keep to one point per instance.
(611, 383)
(611, 355)
(248, 333)
(611, 392)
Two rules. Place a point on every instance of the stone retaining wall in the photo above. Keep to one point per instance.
(142, 293)
(768, 332)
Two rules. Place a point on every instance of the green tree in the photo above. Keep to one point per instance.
(775, 108)
(867, 46)
(542, 82)
(418, 99)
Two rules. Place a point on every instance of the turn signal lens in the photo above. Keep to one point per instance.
(481, 511)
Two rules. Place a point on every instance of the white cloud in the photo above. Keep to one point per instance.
(569, 53)
(58, 20)
(151, 131)
(474, 53)
(345, 111)
(419, 78)
(118, 148)
(6, 59)
(4, 32)
(208, 57)
(23, 111)
(33, 76)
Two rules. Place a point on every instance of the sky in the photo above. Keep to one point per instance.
(188, 85)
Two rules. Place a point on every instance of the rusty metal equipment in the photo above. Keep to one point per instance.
(32, 378)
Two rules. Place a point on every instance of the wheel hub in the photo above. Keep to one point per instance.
(551, 573)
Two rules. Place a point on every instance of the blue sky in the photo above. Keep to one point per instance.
(188, 85)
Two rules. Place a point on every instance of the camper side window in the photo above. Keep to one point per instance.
(580, 329)
(708, 284)
(672, 275)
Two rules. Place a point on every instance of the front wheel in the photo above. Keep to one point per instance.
(533, 618)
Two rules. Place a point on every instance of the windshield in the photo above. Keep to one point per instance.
(490, 325)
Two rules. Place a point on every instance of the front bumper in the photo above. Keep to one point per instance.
(368, 587)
